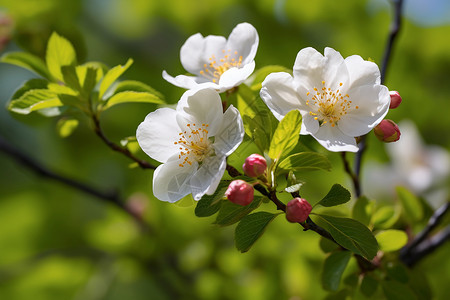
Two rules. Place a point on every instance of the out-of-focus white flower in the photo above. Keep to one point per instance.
(339, 99)
(422, 168)
(192, 142)
(217, 62)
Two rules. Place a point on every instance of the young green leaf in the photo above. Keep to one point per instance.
(208, 205)
(66, 126)
(336, 196)
(127, 97)
(60, 52)
(111, 76)
(304, 161)
(231, 213)
(33, 100)
(27, 61)
(286, 135)
(385, 217)
(333, 269)
(411, 204)
(363, 210)
(136, 86)
(391, 240)
(351, 235)
(32, 84)
(251, 228)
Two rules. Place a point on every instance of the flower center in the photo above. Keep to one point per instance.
(194, 144)
(327, 105)
(217, 67)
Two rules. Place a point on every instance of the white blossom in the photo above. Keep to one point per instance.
(217, 62)
(192, 143)
(339, 99)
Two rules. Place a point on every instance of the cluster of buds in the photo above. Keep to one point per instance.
(241, 192)
(387, 131)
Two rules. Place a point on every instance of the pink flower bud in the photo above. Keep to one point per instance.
(297, 210)
(255, 165)
(387, 131)
(396, 99)
(240, 192)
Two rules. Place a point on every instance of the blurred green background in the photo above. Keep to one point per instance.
(59, 243)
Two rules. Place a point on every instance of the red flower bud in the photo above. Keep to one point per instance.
(387, 131)
(240, 192)
(297, 210)
(255, 165)
(396, 99)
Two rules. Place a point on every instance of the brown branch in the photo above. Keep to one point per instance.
(28, 162)
(98, 130)
(353, 176)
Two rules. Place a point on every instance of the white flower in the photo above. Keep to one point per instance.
(339, 99)
(192, 142)
(217, 62)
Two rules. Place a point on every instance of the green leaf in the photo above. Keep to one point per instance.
(208, 205)
(327, 246)
(60, 52)
(351, 235)
(369, 285)
(363, 209)
(336, 196)
(66, 126)
(261, 74)
(251, 228)
(71, 100)
(231, 213)
(391, 240)
(385, 217)
(32, 84)
(304, 161)
(398, 271)
(27, 61)
(286, 135)
(411, 204)
(394, 290)
(128, 97)
(70, 77)
(333, 268)
(33, 100)
(111, 76)
(420, 284)
(136, 86)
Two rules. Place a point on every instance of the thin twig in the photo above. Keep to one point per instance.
(98, 130)
(393, 33)
(352, 175)
(418, 248)
(40, 170)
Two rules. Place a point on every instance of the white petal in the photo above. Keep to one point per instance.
(231, 132)
(335, 140)
(157, 133)
(189, 82)
(279, 94)
(208, 176)
(309, 125)
(244, 39)
(362, 72)
(197, 50)
(336, 70)
(172, 182)
(311, 68)
(373, 105)
(201, 106)
(235, 76)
